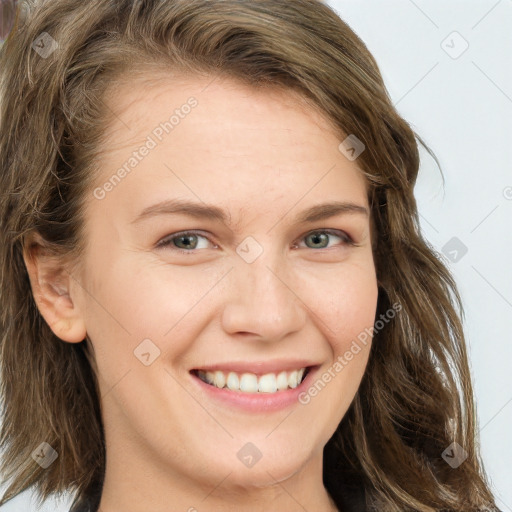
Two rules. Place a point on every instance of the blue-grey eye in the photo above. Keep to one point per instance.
(185, 242)
(321, 239)
(318, 240)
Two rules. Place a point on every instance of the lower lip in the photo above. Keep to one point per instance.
(256, 402)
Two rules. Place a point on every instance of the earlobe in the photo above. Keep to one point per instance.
(50, 282)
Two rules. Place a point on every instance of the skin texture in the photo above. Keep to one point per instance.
(264, 156)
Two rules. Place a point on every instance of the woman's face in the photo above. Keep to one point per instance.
(264, 281)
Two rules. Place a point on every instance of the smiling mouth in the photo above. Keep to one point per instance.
(251, 383)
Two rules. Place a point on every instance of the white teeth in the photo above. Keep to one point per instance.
(292, 379)
(250, 383)
(268, 383)
(219, 379)
(232, 382)
(282, 381)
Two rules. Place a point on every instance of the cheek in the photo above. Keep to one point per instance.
(345, 305)
(140, 298)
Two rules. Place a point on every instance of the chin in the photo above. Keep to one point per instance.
(262, 463)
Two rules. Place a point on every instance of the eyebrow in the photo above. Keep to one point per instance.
(211, 212)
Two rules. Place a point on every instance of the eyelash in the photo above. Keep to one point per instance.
(168, 240)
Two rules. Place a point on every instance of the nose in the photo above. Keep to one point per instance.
(262, 302)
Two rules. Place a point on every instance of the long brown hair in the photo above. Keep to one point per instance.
(416, 397)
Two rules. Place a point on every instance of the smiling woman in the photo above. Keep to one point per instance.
(247, 318)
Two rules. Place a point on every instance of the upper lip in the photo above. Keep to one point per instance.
(258, 367)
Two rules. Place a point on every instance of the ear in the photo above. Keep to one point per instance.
(53, 290)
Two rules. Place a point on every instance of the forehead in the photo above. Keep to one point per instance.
(135, 104)
(218, 140)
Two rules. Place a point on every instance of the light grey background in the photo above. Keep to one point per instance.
(460, 102)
